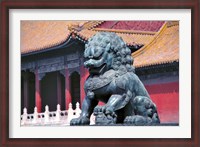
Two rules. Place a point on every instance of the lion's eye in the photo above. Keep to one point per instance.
(99, 57)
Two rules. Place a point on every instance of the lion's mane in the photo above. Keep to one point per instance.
(122, 54)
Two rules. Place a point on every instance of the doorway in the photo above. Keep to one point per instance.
(75, 88)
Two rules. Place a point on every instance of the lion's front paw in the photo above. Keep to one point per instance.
(104, 109)
(137, 120)
(80, 121)
(98, 109)
(104, 115)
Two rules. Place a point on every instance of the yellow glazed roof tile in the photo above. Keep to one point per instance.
(163, 49)
(40, 35)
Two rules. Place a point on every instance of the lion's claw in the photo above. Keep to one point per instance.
(104, 109)
(98, 109)
(80, 121)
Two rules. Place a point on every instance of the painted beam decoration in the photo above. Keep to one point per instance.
(113, 80)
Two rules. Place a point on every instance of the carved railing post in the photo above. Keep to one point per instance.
(35, 116)
(46, 114)
(57, 117)
(24, 117)
(78, 110)
(58, 113)
(70, 113)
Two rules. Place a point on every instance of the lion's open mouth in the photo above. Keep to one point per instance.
(97, 70)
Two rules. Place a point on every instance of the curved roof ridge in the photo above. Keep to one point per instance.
(44, 47)
(94, 24)
(145, 47)
(136, 40)
(156, 63)
(126, 31)
(163, 49)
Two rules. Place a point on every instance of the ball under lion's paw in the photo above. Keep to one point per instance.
(105, 119)
(137, 120)
(80, 121)
(104, 109)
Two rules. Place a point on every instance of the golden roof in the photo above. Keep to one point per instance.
(164, 48)
(158, 47)
(40, 35)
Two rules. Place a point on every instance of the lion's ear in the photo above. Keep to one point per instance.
(108, 47)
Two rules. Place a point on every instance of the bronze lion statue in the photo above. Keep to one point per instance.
(113, 81)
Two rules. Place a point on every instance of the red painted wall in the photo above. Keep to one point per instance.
(166, 98)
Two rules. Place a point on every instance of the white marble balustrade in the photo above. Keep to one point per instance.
(53, 118)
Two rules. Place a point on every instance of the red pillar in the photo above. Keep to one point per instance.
(38, 101)
(67, 89)
(58, 89)
(84, 74)
(26, 90)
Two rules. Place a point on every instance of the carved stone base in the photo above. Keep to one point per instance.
(138, 120)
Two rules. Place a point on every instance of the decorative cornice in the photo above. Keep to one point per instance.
(158, 68)
(157, 63)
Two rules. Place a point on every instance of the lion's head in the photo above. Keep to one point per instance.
(106, 51)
